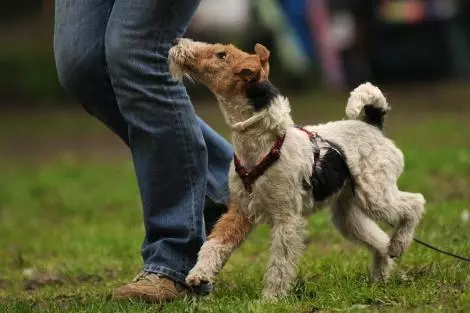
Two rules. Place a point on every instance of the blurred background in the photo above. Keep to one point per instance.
(314, 43)
(69, 205)
(318, 47)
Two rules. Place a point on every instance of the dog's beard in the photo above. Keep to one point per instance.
(178, 72)
(178, 63)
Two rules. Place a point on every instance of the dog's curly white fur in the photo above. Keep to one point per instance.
(282, 197)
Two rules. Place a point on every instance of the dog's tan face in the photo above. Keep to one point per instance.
(224, 69)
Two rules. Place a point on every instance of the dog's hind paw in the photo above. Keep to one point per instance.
(197, 278)
(397, 247)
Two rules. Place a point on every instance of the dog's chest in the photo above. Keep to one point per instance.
(278, 192)
(292, 185)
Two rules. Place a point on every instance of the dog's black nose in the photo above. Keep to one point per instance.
(175, 41)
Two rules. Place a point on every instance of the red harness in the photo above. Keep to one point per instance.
(249, 177)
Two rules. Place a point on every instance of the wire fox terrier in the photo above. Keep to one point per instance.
(281, 172)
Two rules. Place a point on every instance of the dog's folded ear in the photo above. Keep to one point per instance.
(263, 53)
(248, 70)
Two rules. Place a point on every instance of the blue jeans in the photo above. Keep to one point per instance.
(112, 56)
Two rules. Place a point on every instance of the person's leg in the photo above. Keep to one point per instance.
(166, 139)
(220, 154)
(79, 54)
(82, 69)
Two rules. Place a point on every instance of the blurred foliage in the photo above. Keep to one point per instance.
(425, 51)
(12, 9)
(28, 75)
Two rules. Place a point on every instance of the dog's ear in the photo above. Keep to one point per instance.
(263, 53)
(248, 70)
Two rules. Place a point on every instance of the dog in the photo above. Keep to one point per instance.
(281, 172)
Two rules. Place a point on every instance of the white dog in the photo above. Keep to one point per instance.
(280, 172)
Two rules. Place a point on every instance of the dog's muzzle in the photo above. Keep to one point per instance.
(180, 57)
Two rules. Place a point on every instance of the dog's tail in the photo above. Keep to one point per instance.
(368, 104)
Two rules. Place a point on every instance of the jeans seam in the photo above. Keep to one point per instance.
(188, 158)
(78, 62)
(216, 197)
(185, 146)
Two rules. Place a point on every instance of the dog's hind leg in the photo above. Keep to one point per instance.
(382, 201)
(227, 235)
(411, 208)
(286, 248)
(356, 226)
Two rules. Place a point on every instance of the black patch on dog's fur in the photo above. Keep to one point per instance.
(374, 116)
(330, 174)
(261, 93)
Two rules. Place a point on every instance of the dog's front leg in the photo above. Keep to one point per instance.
(286, 248)
(228, 233)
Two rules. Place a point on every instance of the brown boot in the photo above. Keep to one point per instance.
(151, 287)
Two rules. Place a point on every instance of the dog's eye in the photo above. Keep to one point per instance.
(221, 55)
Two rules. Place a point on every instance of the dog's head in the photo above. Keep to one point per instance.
(226, 70)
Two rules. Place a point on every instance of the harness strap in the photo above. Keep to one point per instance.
(316, 150)
(249, 177)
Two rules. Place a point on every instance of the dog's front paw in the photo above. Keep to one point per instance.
(197, 277)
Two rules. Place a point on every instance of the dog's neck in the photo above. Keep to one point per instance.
(255, 131)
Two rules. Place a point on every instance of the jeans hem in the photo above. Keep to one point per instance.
(177, 277)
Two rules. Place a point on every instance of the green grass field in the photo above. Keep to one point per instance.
(70, 218)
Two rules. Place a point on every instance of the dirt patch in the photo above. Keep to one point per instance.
(4, 284)
(89, 278)
(42, 280)
(37, 280)
(313, 310)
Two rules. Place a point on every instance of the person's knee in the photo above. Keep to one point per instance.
(115, 48)
(77, 67)
(131, 55)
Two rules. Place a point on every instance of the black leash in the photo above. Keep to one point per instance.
(427, 245)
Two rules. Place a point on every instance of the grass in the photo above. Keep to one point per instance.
(70, 225)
